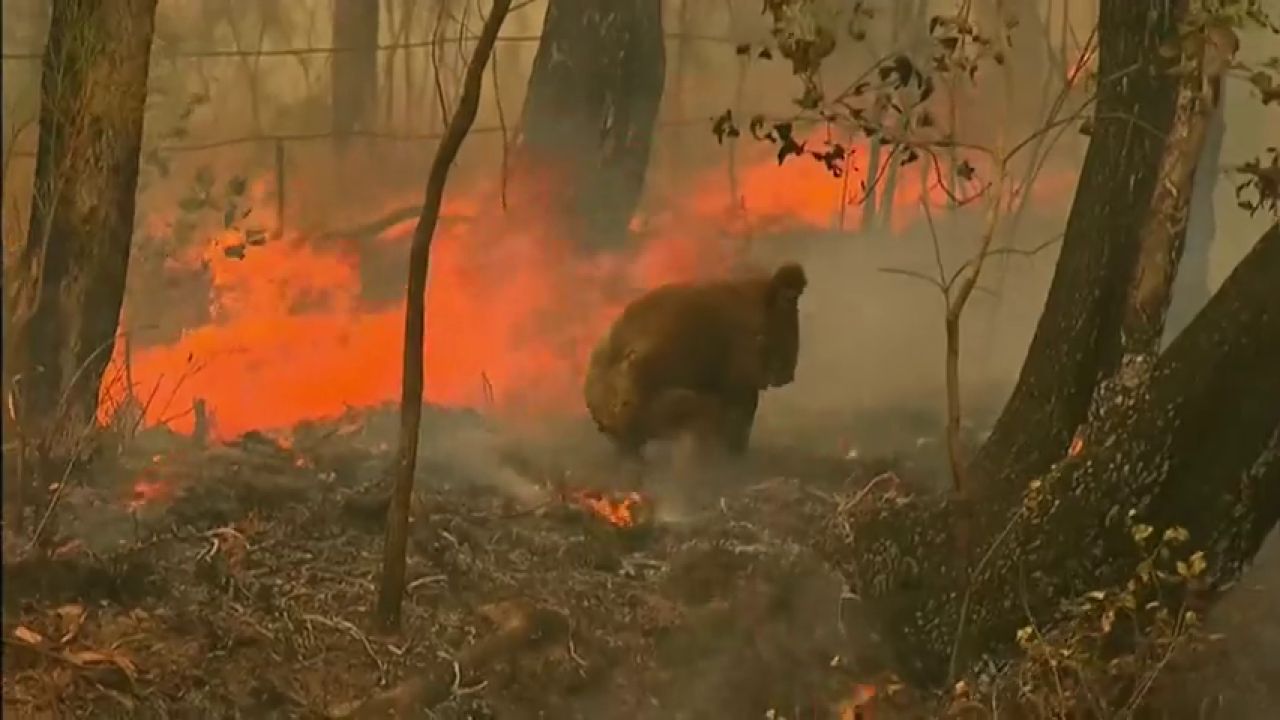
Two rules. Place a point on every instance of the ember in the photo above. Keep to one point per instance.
(619, 512)
(149, 486)
(147, 491)
(858, 705)
(1077, 446)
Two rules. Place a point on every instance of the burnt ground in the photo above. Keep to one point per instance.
(237, 581)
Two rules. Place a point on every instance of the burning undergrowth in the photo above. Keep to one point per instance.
(237, 580)
(269, 325)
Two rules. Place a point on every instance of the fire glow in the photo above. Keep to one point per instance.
(620, 512)
(511, 310)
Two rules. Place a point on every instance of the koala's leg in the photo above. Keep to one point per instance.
(740, 416)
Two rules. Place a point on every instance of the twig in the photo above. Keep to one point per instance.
(444, 679)
(968, 592)
(502, 124)
(348, 627)
(62, 484)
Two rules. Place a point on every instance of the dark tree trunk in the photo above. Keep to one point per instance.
(69, 281)
(1191, 289)
(355, 65)
(590, 112)
(1200, 449)
(1077, 341)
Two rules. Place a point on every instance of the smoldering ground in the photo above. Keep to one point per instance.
(700, 617)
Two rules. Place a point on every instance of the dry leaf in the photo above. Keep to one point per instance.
(71, 619)
(28, 636)
(90, 658)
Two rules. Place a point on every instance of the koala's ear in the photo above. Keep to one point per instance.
(789, 281)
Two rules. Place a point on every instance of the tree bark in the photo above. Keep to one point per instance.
(1161, 238)
(354, 66)
(1077, 341)
(590, 114)
(1191, 287)
(1200, 450)
(391, 586)
(69, 279)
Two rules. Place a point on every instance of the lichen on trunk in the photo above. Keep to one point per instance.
(69, 279)
(590, 113)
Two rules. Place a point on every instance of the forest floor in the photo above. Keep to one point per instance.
(237, 580)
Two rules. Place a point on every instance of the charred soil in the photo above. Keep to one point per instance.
(237, 580)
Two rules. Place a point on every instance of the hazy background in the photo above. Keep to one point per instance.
(872, 342)
(870, 339)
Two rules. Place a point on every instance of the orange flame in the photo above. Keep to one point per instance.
(859, 705)
(512, 309)
(619, 513)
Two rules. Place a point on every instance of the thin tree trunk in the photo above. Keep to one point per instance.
(70, 276)
(354, 65)
(1161, 239)
(1077, 340)
(590, 113)
(1191, 287)
(391, 587)
(1200, 450)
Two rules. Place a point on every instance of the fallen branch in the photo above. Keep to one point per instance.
(520, 626)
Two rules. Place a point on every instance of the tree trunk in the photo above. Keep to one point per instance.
(69, 280)
(392, 582)
(1200, 450)
(354, 65)
(1191, 288)
(1077, 340)
(590, 113)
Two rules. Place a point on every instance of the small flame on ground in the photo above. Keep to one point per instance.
(857, 706)
(147, 491)
(619, 512)
(149, 487)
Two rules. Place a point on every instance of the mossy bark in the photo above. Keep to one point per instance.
(590, 114)
(1199, 447)
(1077, 341)
(68, 282)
